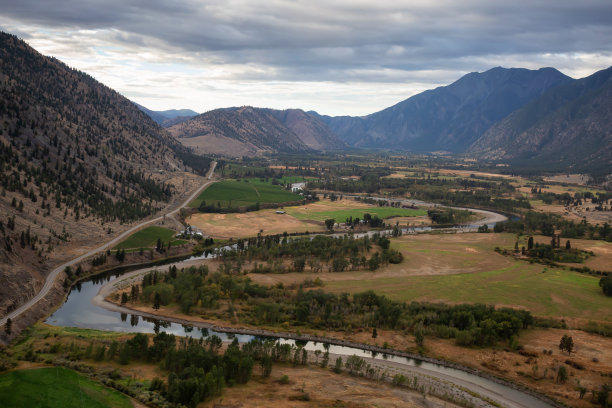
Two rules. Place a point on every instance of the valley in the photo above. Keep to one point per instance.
(451, 250)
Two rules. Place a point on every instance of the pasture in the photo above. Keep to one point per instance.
(59, 387)
(340, 215)
(464, 268)
(303, 218)
(235, 194)
(147, 238)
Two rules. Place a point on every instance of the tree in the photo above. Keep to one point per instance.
(606, 285)
(530, 244)
(374, 333)
(567, 344)
(419, 336)
(124, 298)
(568, 246)
(157, 301)
(8, 327)
(562, 375)
(338, 365)
(329, 224)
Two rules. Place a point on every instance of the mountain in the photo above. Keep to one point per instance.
(451, 117)
(169, 117)
(77, 159)
(309, 129)
(248, 131)
(568, 126)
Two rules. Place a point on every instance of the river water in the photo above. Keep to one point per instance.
(79, 311)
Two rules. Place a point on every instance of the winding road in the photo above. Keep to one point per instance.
(50, 280)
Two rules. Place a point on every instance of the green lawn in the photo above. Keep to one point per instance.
(56, 387)
(233, 193)
(342, 215)
(147, 238)
(543, 291)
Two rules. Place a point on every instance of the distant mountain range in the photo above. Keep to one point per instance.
(247, 131)
(448, 118)
(541, 117)
(568, 127)
(168, 117)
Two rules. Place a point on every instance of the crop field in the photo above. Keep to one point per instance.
(464, 268)
(303, 218)
(56, 387)
(234, 193)
(147, 238)
(303, 213)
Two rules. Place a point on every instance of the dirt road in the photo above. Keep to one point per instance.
(55, 273)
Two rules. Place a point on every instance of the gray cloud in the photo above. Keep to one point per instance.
(339, 41)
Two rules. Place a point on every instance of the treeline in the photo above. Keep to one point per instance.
(197, 369)
(547, 224)
(338, 253)
(449, 216)
(277, 305)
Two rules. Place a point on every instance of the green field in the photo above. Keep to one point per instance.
(234, 193)
(147, 238)
(342, 215)
(545, 292)
(56, 387)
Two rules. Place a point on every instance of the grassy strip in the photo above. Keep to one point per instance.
(56, 387)
(342, 215)
(147, 238)
(233, 193)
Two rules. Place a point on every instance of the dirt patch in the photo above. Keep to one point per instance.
(324, 389)
(241, 225)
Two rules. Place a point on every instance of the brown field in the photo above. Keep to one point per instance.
(602, 261)
(462, 253)
(325, 389)
(241, 225)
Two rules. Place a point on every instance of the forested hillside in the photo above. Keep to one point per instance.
(77, 159)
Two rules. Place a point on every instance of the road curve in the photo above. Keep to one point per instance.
(50, 280)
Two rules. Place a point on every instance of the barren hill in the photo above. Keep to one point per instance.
(248, 131)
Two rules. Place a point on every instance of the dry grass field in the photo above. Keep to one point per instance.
(301, 218)
(464, 268)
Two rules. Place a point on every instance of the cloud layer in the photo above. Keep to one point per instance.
(338, 57)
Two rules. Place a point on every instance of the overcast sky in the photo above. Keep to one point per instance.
(335, 57)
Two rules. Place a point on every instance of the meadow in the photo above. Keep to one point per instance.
(56, 387)
(147, 238)
(303, 218)
(464, 268)
(234, 194)
(340, 215)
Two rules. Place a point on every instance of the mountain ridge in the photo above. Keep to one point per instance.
(449, 117)
(247, 130)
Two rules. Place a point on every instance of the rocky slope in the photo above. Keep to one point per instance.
(248, 131)
(567, 127)
(77, 160)
(451, 117)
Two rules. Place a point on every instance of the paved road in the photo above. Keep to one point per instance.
(50, 280)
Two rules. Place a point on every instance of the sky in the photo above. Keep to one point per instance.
(336, 57)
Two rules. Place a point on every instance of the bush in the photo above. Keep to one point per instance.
(284, 379)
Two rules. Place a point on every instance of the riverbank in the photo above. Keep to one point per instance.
(108, 288)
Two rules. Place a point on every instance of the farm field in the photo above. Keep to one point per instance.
(147, 238)
(309, 217)
(464, 268)
(340, 215)
(234, 193)
(56, 387)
